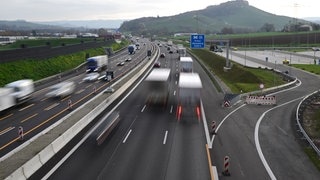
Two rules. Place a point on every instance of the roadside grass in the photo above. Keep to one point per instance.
(37, 69)
(238, 78)
(313, 156)
(313, 68)
(53, 42)
(316, 123)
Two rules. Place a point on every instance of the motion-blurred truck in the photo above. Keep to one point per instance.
(16, 93)
(157, 84)
(97, 63)
(189, 95)
(186, 64)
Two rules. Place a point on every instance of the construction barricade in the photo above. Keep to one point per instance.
(261, 100)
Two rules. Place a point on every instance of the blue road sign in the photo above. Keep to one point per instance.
(197, 41)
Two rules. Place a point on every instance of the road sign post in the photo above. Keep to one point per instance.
(197, 41)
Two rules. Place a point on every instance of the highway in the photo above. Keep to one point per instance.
(149, 142)
(41, 112)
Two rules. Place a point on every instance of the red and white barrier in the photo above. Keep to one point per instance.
(226, 163)
(69, 104)
(213, 127)
(261, 100)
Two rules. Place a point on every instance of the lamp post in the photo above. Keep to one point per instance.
(314, 54)
(274, 73)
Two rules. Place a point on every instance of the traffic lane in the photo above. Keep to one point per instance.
(188, 158)
(33, 123)
(235, 138)
(144, 150)
(46, 112)
(88, 161)
(279, 141)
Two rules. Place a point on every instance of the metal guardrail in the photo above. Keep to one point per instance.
(299, 111)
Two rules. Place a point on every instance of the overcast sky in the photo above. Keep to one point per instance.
(51, 10)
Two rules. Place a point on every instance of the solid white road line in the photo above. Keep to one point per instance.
(257, 142)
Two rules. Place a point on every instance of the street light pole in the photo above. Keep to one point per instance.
(314, 54)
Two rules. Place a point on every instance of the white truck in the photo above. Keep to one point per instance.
(15, 93)
(182, 51)
(157, 84)
(189, 95)
(97, 63)
(186, 64)
(6, 98)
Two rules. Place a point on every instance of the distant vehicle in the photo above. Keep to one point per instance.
(61, 90)
(109, 76)
(158, 83)
(170, 52)
(120, 63)
(182, 52)
(132, 49)
(286, 61)
(16, 93)
(109, 90)
(218, 50)
(215, 48)
(128, 59)
(137, 46)
(186, 64)
(169, 43)
(91, 77)
(162, 55)
(157, 64)
(97, 63)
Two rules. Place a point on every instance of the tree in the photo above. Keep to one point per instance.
(227, 30)
(267, 28)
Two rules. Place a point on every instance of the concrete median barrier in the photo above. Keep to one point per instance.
(46, 154)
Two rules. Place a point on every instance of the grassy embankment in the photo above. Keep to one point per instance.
(53, 42)
(239, 78)
(40, 68)
(315, 119)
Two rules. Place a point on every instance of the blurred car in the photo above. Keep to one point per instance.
(128, 59)
(286, 61)
(162, 55)
(157, 64)
(120, 63)
(91, 77)
(109, 90)
(170, 52)
(61, 89)
(218, 50)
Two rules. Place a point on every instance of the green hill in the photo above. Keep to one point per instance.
(237, 15)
